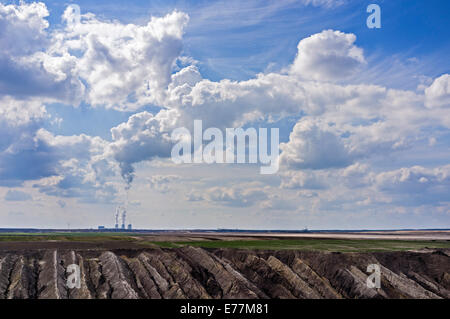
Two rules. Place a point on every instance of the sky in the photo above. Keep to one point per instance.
(88, 104)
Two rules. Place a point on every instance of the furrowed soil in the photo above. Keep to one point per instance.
(136, 269)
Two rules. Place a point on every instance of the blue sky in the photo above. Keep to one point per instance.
(237, 39)
(238, 49)
(363, 113)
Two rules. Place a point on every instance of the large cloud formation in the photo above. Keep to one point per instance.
(312, 145)
(143, 137)
(27, 68)
(97, 62)
(343, 129)
(102, 63)
(124, 66)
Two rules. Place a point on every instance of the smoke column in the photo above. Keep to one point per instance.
(124, 216)
(127, 172)
(117, 217)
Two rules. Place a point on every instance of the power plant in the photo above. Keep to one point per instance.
(121, 213)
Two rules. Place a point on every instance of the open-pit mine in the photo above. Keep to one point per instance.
(209, 268)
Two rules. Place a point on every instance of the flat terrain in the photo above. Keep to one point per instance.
(338, 242)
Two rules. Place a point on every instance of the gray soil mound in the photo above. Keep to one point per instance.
(222, 273)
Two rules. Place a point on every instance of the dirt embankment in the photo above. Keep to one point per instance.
(223, 273)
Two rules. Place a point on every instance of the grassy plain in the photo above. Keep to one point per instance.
(142, 240)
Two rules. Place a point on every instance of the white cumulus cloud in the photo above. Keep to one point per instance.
(438, 93)
(329, 55)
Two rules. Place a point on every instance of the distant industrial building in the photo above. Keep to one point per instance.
(129, 227)
(101, 227)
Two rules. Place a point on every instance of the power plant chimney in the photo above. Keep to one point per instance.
(116, 226)
(124, 216)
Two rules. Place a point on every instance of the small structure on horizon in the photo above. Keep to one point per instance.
(129, 227)
(101, 227)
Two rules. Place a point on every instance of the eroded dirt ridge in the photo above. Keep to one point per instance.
(223, 273)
